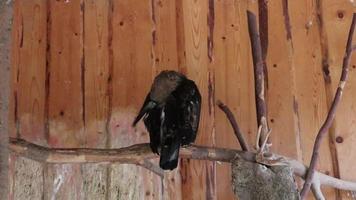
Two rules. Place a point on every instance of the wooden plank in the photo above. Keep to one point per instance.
(233, 82)
(65, 95)
(198, 177)
(28, 179)
(310, 94)
(96, 63)
(30, 70)
(95, 184)
(164, 35)
(132, 45)
(336, 18)
(66, 80)
(15, 44)
(96, 93)
(11, 171)
(63, 181)
(27, 115)
(165, 57)
(280, 85)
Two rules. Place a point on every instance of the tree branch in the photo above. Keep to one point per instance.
(331, 114)
(230, 116)
(137, 153)
(152, 167)
(317, 191)
(261, 107)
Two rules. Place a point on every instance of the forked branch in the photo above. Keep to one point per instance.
(261, 106)
(331, 114)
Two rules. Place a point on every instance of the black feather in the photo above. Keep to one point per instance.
(170, 139)
(189, 98)
(173, 122)
(153, 123)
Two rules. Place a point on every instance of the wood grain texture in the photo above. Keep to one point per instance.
(280, 91)
(96, 72)
(15, 44)
(65, 100)
(66, 117)
(63, 181)
(28, 179)
(336, 18)
(165, 57)
(310, 97)
(81, 69)
(198, 177)
(132, 74)
(233, 69)
(27, 108)
(96, 36)
(30, 73)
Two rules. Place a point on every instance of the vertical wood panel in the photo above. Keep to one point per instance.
(280, 91)
(165, 56)
(310, 98)
(65, 86)
(96, 63)
(27, 108)
(96, 92)
(101, 59)
(63, 181)
(28, 176)
(336, 18)
(198, 177)
(29, 74)
(15, 44)
(132, 46)
(65, 95)
(233, 75)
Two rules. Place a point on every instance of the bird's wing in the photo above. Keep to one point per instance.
(153, 124)
(189, 100)
(169, 134)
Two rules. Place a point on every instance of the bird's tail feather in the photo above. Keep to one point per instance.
(169, 155)
(147, 105)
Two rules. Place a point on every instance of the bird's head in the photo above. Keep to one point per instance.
(164, 84)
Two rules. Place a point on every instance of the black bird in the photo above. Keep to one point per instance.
(171, 114)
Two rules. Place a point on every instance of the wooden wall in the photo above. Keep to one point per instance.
(81, 69)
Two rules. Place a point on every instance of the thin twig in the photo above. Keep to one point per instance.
(230, 116)
(331, 114)
(261, 108)
(136, 153)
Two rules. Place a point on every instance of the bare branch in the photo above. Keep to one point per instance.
(331, 114)
(136, 153)
(317, 191)
(230, 116)
(261, 107)
(152, 167)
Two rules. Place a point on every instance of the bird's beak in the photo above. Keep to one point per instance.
(145, 108)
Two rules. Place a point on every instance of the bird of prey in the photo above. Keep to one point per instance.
(171, 114)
